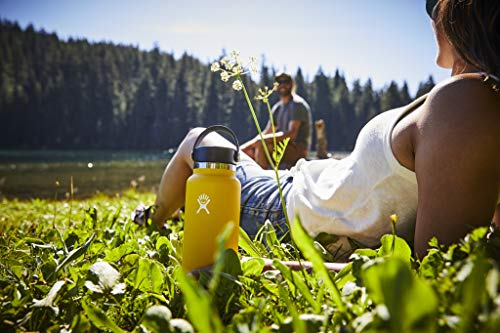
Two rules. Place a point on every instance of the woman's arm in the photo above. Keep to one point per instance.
(457, 162)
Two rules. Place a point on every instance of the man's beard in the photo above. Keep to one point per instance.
(285, 93)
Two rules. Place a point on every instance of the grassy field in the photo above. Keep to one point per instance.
(83, 266)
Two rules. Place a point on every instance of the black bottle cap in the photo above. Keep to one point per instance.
(215, 154)
(225, 155)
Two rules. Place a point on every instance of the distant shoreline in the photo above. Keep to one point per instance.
(61, 156)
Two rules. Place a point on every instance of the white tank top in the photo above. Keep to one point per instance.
(353, 198)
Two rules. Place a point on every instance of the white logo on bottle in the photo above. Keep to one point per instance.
(203, 201)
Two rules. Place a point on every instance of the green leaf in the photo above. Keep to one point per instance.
(119, 252)
(75, 254)
(300, 283)
(163, 241)
(80, 323)
(473, 292)
(150, 276)
(247, 245)
(411, 304)
(296, 281)
(279, 150)
(297, 324)
(226, 260)
(198, 304)
(286, 273)
(253, 266)
(99, 318)
(432, 264)
(271, 239)
(305, 244)
(394, 246)
(29, 240)
(345, 275)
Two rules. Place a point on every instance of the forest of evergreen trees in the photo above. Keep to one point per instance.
(73, 94)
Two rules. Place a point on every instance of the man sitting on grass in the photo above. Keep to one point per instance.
(292, 119)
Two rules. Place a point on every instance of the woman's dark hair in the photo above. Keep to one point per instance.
(473, 28)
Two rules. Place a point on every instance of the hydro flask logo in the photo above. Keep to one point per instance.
(203, 201)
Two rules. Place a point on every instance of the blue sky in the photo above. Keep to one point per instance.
(384, 39)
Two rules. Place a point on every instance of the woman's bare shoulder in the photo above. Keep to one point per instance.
(464, 92)
(461, 116)
(463, 98)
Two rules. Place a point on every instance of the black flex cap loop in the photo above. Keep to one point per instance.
(216, 154)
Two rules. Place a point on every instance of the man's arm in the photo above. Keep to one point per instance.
(293, 130)
(250, 144)
(456, 162)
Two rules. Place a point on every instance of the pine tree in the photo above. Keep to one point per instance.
(405, 94)
(71, 94)
(344, 119)
(425, 87)
(322, 107)
(391, 97)
(266, 80)
(161, 133)
(300, 85)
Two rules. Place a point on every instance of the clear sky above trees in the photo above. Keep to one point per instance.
(384, 40)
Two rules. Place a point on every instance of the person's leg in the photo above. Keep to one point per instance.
(172, 190)
(292, 154)
(249, 148)
(260, 155)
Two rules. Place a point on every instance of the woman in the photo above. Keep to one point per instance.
(434, 163)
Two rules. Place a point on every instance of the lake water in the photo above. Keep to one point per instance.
(48, 174)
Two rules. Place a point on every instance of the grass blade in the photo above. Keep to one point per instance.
(75, 253)
(247, 244)
(305, 244)
(198, 304)
(99, 318)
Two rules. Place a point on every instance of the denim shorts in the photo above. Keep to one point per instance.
(260, 199)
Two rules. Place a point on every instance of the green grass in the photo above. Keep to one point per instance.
(49, 279)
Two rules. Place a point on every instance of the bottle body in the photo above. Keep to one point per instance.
(212, 201)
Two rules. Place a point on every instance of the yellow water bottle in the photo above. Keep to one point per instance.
(212, 201)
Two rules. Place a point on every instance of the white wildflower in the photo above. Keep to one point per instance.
(235, 54)
(224, 76)
(237, 85)
(253, 68)
(215, 67)
(104, 278)
(237, 69)
(263, 94)
(224, 61)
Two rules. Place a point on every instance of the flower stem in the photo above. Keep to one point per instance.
(275, 168)
(264, 145)
(252, 111)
